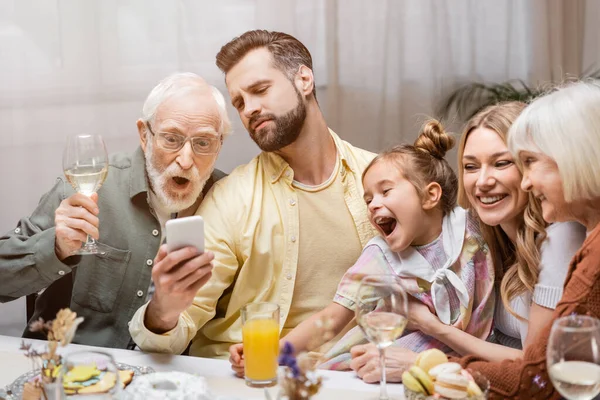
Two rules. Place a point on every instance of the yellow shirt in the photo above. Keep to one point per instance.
(328, 246)
(251, 223)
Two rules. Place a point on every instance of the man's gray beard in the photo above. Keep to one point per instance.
(159, 179)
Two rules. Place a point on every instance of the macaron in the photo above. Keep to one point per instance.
(411, 383)
(423, 378)
(430, 358)
(448, 367)
(451, 385)
(473, 389)
(417, 380)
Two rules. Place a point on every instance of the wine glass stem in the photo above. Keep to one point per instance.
(382, 385)
(90, 241)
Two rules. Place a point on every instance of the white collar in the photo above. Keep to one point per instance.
(411, 264)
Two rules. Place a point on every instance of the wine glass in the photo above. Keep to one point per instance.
(382, 314)
(85, 163)
(91, 374)
(573, 356)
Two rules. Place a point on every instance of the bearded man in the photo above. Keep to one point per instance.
(283, 228)
(183, 124)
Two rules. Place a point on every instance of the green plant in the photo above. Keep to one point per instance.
(467, 100)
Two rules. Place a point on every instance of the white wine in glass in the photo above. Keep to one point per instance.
(382, 314)
(85, 163)
(573, 356)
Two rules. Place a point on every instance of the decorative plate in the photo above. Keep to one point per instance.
(173, 385)
(15, 389)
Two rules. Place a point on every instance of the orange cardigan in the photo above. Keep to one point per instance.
(528, 378)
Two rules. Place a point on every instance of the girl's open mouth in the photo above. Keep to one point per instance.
(386, 224)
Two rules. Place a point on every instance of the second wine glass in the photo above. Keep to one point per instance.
(382, 314)
(573, 356)
(85, 163)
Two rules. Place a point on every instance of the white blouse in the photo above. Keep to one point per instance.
(562, 242)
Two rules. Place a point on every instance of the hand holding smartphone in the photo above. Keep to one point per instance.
(184, 232)
(186, 273)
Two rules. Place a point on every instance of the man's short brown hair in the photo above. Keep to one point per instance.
(287, 51)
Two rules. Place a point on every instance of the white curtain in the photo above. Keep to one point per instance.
(71, 66)
(393, 60)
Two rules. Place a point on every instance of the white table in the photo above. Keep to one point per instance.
(220, 378)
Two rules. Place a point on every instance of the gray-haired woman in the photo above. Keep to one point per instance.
(557, 141)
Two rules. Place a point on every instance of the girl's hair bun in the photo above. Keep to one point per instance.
(434, 140)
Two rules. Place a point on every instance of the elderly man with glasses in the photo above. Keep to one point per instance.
(183, 124)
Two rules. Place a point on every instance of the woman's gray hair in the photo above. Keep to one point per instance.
(179, 83)
(564, 124)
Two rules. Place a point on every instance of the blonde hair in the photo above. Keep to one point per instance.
(424, 162)
(523, 256)
(565, 125)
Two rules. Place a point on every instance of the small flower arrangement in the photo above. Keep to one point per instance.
(300, 380)
(59, 331)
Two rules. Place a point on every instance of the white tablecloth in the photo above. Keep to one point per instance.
(337, 385)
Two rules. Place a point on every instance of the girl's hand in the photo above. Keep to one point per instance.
(365, 361)
(236, 358)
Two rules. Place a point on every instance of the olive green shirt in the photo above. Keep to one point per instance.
(105, 289)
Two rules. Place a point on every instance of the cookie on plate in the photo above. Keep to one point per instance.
(125, 376)
(108, 381)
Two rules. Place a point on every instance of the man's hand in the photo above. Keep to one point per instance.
(366, 363)
(236, 358)
(177, 277)
(74, 219)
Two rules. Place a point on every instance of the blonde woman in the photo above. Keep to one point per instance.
(530, 259)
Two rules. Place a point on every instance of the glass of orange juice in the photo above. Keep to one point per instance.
(260, 334)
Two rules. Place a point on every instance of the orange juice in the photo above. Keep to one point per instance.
(261, 348)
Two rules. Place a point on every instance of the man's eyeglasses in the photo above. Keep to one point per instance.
(201, 145)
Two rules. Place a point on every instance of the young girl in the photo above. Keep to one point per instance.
(530, 258)
(434, 246)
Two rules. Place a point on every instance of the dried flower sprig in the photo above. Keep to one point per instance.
(59, 331)
(64, 327)
(296, 383)
(30, 352)
(40, 326)
(300, 380)
(34, 355)
(287, 358)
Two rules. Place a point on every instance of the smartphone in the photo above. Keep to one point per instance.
(184, 232)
